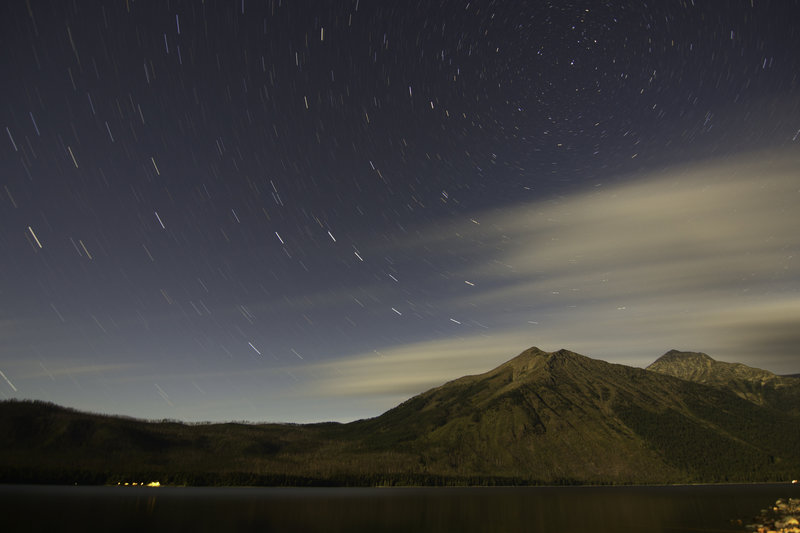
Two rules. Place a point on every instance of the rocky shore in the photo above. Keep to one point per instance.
(783, 517)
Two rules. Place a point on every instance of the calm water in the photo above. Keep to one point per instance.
(545, 509)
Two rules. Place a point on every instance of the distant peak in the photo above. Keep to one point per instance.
(680, 354)
(686, 365)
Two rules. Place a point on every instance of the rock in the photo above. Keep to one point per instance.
(780, 518)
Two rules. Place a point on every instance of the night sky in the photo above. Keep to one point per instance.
(303, 211)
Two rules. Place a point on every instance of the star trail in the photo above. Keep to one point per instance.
(302, 211)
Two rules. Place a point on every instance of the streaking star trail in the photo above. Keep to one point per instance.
(295, 211)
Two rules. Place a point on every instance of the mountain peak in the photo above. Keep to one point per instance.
(694, 366)
(697, 366)
(535, 359)
(753, 384)
(535, 352)
(677, 355)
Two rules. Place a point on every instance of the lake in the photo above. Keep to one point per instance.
(498, 509)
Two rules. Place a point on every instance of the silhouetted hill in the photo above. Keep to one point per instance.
(758, 386)
(541, 417)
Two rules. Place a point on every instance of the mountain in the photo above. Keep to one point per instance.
(542, 417)
(753, 384)
(564, 416)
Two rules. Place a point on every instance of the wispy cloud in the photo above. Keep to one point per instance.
(408, 369)
(701, 257)
(656, 260)
(40, 370)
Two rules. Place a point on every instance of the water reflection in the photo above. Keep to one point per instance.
(546, 509)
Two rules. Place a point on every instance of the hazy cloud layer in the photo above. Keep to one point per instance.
(701, 258)
(414, 367)
(698, 258)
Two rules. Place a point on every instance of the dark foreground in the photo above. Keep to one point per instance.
(546, 509)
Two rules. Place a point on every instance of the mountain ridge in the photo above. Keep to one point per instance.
(753, 384)
(539, 418)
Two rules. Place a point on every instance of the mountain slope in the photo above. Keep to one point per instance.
(758, 386)
(561, 415)
(541, 417)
